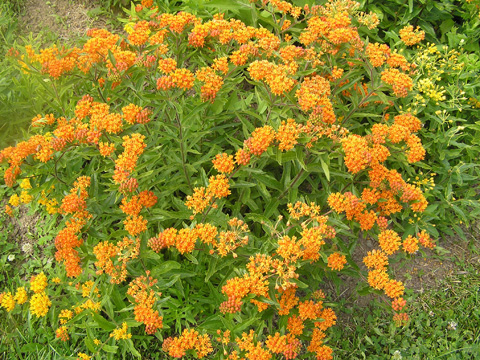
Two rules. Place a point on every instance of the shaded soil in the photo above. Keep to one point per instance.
(23, 229)
(68, 19)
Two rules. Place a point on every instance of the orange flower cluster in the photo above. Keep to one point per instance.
(313, 94)
(289, 345)
(336, 261)
(15, 156)
(140, 33)
(223, 163)
(134, 114)
(376, 259)
(377, 53)
(57, 62)
(189, 340)
(330, 30)
(410, 36)
(140, 289)
(288, 134)
(202, 197)
(54, 61)
(212, 83)
(260, 140)
(167, 65)
(276, 76)
(180, 78)
(184, 240)
(68, 238)
(134, 146)
(124, 251)
(401, 82)
(389, 241)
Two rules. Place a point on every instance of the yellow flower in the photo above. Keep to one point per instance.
(39, 304)
(38, 283)
(121, 333)
(65, 315)
(25, 184)
(8, 301)
(128, 27)
(21, 296)
(14, 200)
(25, 197)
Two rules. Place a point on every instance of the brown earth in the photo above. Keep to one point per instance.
(68, 19)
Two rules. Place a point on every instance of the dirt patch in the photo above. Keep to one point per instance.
(68, 19)
(23, 229)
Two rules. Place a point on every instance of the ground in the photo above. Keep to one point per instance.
(68, 19)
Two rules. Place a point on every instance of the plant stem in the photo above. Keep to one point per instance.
(182, 150)
(300, 173)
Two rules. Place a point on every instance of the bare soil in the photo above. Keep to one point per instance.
(68, 19)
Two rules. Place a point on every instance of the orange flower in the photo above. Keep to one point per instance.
(400, 319)
(223, 163)
(295, 325)
(183, 78)
(377, 53)
(167, 66)
(218, 186)
(357, 156)
(411, 37)
(288, 300)
(62, 333)
(394, 288)
(260, 140)
(336, 261)
(376, 259)
(398, 304)
(276, 344)
(312, 91)
(329, 319)
(425, 240)
(415, 151)
(106, 149)
(242, 157)
(389, 241)
(400, 82)
(378, 278)
(412, 123)
(309, 310)
(185, 240)
(410, 244)
(287, 134)
(135, 224)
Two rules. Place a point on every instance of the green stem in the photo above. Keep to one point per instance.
(182, 150)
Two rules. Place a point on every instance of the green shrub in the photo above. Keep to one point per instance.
(192, 165)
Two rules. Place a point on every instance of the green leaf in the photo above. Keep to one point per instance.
(165, 267)
(325, 168)
(103, 323)
(110, 348)
(192, 258)
(132, 349)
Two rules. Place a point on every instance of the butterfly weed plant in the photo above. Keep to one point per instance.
(208, 177)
